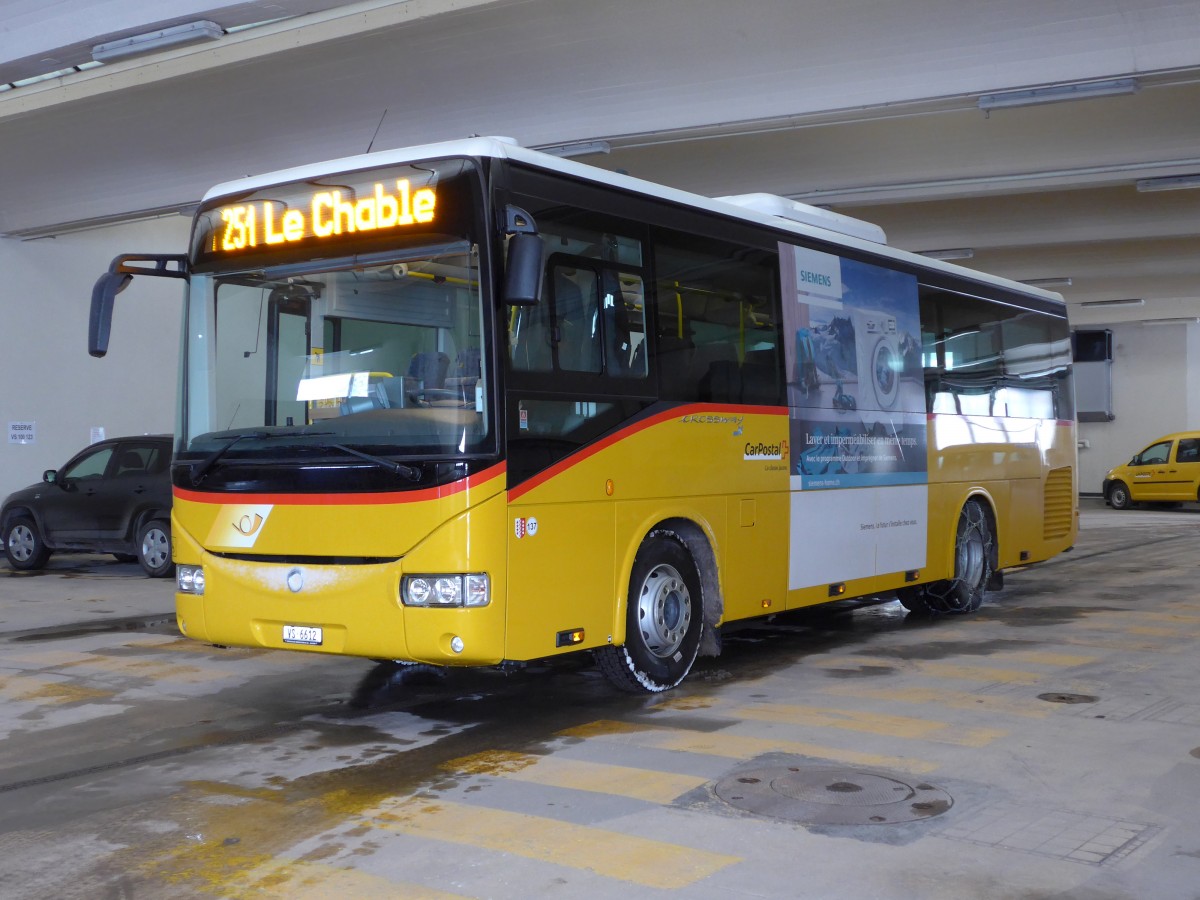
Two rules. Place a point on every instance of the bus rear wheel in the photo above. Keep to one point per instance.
(664, 620)
(974, 560)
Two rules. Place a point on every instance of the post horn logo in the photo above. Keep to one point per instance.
(248, 525)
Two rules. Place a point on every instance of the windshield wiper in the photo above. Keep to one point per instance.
(200, 469)
(412, 473)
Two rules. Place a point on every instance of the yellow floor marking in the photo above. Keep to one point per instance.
(857, 662)
(1124, 646)
(156, 670)
(871, 723)
(623, 857)
(940, 669)
(50, 690)
(44, 659)
(1147, 630)
(1186, 618)
(1048, 658)
(955, 699)
(307, 880)
(686, 704)
(733, 746)
(599, 778)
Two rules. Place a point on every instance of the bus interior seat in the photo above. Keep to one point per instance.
(429, 368)
(760, 378)
(722, 383)
(577, 351)
(465, 374)
(755, 381)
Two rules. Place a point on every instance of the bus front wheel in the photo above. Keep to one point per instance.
(664, 620)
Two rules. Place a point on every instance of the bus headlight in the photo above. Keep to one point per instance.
(445, 590)
(189, 579)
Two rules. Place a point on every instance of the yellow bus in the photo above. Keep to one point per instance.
(468, 404)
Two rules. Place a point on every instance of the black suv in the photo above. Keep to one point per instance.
(113, 497)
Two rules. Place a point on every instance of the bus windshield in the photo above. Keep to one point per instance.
(383, 357)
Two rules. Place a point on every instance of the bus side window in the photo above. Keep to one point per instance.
(989, 359)
(717, 321)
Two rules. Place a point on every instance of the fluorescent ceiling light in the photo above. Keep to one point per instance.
(153, 41)
(1170, 183)
(579, 148)
(959, 253)
(1058, 92)
(1132, 301)
(1047, 282)
(1174, 320)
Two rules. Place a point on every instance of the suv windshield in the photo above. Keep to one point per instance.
(383, 357)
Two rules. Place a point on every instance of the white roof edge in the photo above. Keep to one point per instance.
(795, 211)
(507, 148)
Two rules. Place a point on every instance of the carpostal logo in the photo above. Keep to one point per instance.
(761, 451)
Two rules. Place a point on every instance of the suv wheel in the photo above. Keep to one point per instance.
(154, 548)
(23, 544)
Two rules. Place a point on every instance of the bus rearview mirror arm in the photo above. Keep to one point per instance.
(116, 279)
(523, 267)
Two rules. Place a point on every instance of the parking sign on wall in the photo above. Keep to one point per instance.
(22, 432)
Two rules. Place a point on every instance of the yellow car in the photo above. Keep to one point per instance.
(1168, 471)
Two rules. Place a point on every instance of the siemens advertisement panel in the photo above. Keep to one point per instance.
(857, 418)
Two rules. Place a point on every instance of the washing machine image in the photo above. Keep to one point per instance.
(880, 360)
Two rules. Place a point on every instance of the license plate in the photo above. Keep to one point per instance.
(301, 634)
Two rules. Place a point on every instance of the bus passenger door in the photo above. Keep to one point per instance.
(561, 531)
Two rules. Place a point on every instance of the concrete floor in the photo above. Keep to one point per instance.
(1047, 746)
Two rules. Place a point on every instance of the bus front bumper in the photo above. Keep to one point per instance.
(350, 610)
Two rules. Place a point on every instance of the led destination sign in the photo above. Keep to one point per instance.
(338, 214)
(387, 205)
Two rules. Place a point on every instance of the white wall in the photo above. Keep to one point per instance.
(46, 375)
(1155, 392)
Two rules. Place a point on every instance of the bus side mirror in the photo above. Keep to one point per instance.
(104, 294)
(523, 271)
(116, 279)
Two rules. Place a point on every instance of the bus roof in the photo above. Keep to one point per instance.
(776, 212)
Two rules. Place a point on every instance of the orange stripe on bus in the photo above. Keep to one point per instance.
(677, 412)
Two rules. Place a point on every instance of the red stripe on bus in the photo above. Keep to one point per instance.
(677, 412)
(375, 499)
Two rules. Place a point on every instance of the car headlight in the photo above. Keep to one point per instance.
(189, 579)
(445, 590)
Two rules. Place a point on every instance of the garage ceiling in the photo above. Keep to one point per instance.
(871, 109)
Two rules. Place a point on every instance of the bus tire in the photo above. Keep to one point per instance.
(664, 620)
(1118, 496)
(23, 544)
(916, 601)
(974, 560)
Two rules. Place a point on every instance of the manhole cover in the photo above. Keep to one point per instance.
(1068, 698)
(822, 795)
